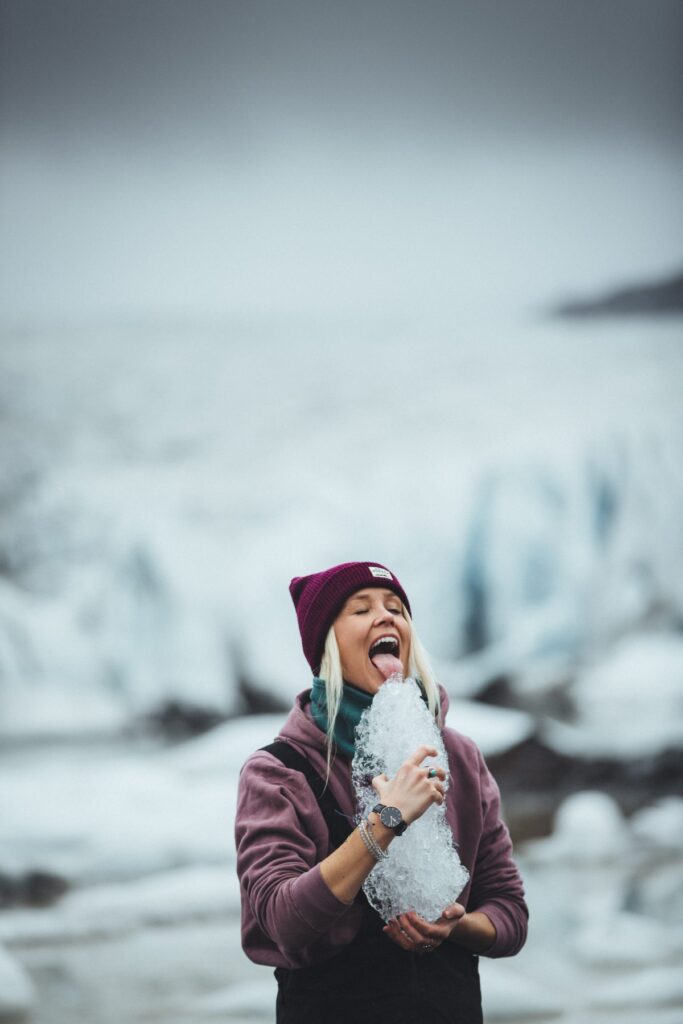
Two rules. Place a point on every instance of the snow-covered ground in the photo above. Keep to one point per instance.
(149, 930)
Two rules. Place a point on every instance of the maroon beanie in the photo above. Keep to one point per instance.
(318, 599)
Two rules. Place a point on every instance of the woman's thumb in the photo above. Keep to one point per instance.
(379, 780)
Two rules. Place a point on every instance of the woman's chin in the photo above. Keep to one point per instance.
(372, 681)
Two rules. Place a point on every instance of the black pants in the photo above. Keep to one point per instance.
(374, 981)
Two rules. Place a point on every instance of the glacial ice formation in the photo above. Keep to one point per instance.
(423, 871)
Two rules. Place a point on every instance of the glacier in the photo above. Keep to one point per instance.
(151, 523)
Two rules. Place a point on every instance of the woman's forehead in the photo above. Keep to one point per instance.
(369, 592)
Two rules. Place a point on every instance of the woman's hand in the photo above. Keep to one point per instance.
(412, 933)
(475, 931)
(346, 868)
(411, 790)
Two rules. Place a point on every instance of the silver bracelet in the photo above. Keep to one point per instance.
(371, 836)
(373, 847)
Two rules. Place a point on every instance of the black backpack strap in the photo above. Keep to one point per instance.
(337, 822)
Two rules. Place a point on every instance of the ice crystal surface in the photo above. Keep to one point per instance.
(423, 871)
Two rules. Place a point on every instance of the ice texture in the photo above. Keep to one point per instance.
(423, 871)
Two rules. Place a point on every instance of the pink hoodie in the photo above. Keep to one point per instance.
(289, 916)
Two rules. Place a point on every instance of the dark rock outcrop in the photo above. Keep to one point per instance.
(656, 298)
(32, 889)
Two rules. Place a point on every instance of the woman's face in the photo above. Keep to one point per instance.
(367, 616)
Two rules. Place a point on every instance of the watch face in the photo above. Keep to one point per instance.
(391, 817)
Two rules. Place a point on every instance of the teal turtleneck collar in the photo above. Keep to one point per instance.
(353, 704)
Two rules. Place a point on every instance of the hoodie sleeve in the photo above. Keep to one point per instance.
(497, 888)
(279, 834)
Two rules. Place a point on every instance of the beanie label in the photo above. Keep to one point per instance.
(384, 574)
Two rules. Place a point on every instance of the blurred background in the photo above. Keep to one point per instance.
(287, 284)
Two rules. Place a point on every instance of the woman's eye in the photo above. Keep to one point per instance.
(361, 611)
(395, 611)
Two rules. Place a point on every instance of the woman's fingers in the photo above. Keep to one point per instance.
(425, 931)
(394, 931)
(438, 792)
(402, 933)
(410, 931)
(410, 790)
(413, 933)
(418, 757)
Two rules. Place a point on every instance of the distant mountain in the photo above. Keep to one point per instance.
(659, 297)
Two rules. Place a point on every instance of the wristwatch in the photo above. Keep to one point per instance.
(391, 818)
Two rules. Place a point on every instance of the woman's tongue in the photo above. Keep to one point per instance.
(387, 664)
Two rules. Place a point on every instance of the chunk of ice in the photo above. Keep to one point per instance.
(423, 871)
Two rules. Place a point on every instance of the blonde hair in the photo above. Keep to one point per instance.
(419, 667)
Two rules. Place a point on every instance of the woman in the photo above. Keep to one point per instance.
(302, 860)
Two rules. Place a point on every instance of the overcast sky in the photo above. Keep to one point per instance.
(245, 70)
(221, 105)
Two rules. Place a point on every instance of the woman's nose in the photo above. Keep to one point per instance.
(382, 615)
